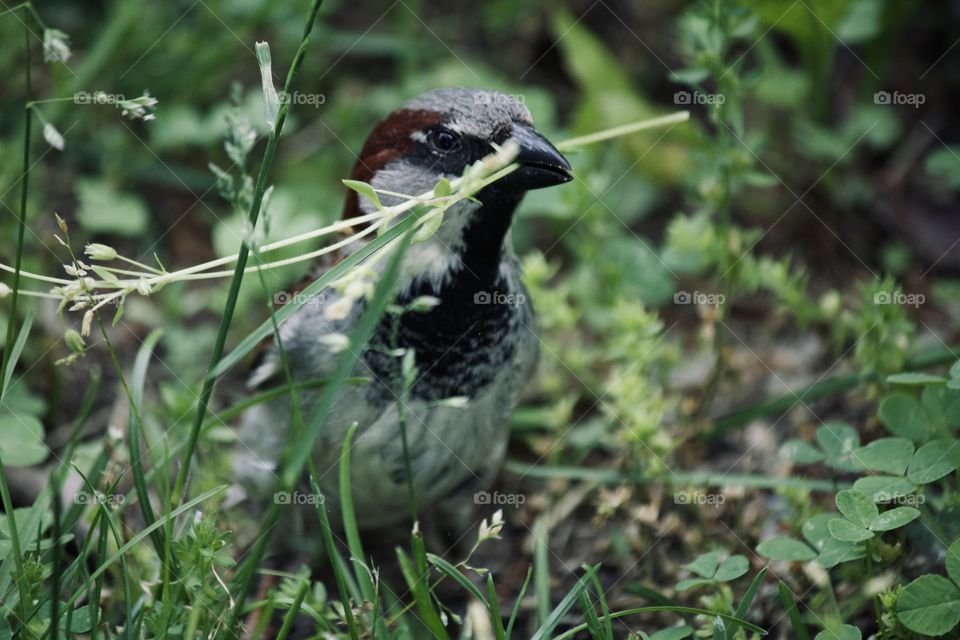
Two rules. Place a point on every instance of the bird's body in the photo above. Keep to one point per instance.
(476, 344)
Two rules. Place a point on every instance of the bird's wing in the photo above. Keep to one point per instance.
(312, 338)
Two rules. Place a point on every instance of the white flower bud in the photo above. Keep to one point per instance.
(97, 251)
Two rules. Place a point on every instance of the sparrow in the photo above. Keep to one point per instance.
(475, 344)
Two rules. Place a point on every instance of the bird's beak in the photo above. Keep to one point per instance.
(541, 165)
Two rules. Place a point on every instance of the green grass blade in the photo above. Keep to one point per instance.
(728, 619)
(493, 607)
(232, 295)
(135, 431)
(15, 352)
(793, 613)
(593, 622)
(445, 567)
(292, 468)
(541, 570)
(349, 519)
(292, 612)
(518, 601)
(421, 596)
(337, 271)
(552, 620)
(744, 607)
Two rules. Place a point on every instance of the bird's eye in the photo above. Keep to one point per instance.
(443, 140)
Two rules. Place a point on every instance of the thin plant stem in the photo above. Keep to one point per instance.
(11, 334)
(234, 292)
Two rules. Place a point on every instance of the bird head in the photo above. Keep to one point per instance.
(437, 135)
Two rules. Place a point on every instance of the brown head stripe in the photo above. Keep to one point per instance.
(388, 141)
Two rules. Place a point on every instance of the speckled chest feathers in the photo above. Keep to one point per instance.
(460, 345)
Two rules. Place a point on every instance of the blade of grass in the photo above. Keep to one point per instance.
(744, 607)
(679, 478)
(593, 622)
(570, 633)
(445, 567)
(421, 596)
(238, 408)
(9, 344)
(553, 619)
(334, 273)
(622, 130)
(134, 395)
(602, 596)
(335, 563)
(260, 187)
(786, 597)
(16, 350)
(518, 601)
(294, 609)
(493, 607)
(292, 467)
(541, 570)
(349, 519)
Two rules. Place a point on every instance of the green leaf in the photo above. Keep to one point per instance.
(857, 506)
(884, 488)
(732, 568)
(894, 519)
(953, 562)
(846, 531)
(21, 443)
(943, 407)
(839, 440)
(838, 551)
(843, 632)
(816, 532)
(364, 189)
(693, 583)
(789, 549)
(929, 605)
(705, 565)
(915, 379)
(801, 452)
(932, 461)
(903, 415)
(442, 188)
(888, 455)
